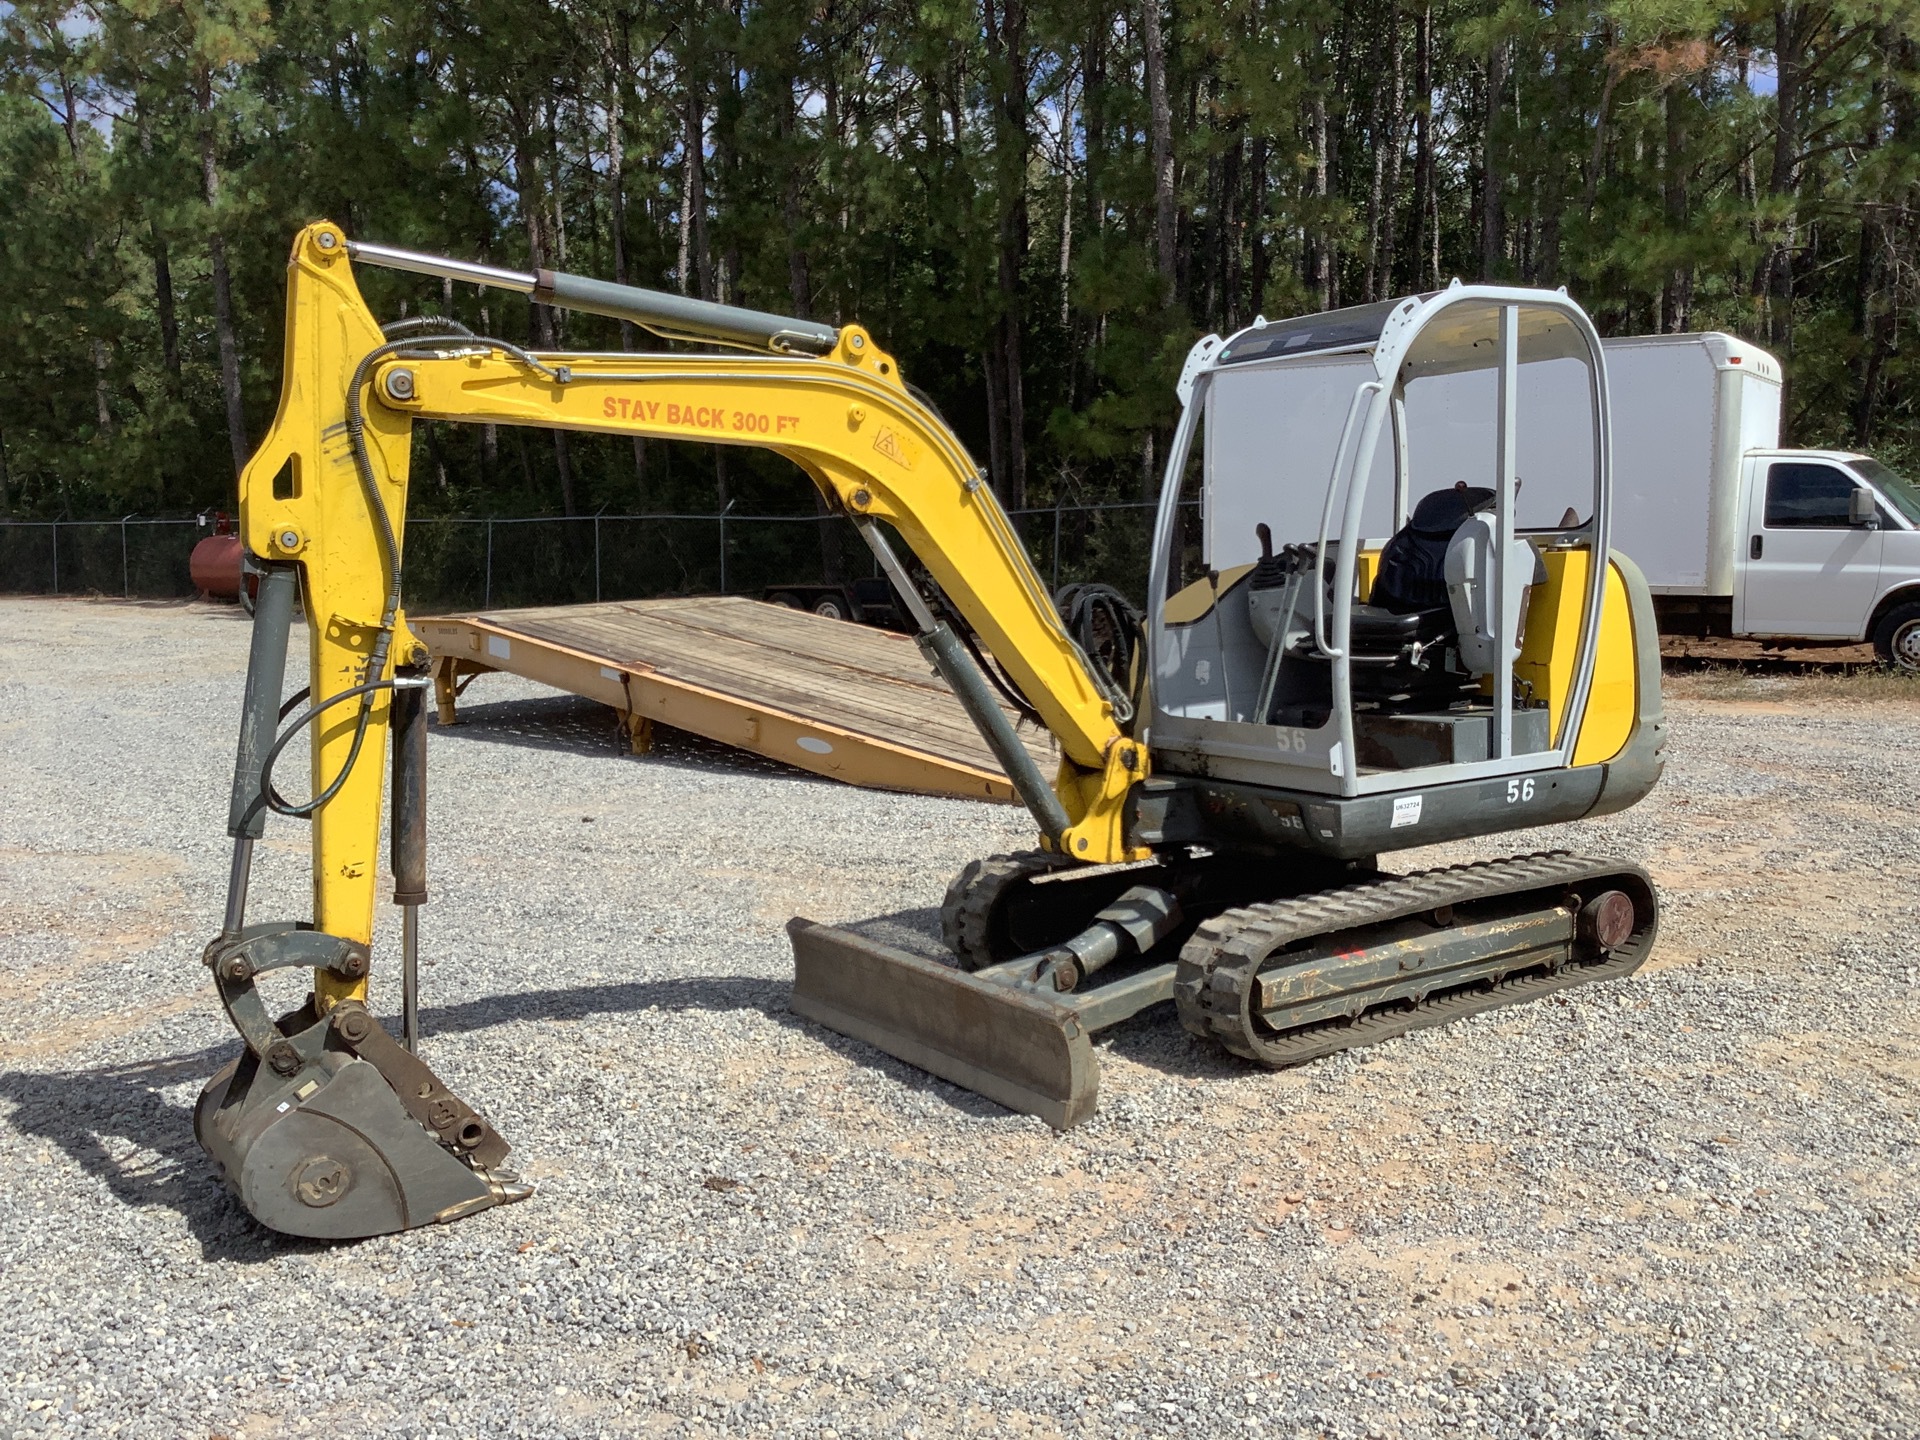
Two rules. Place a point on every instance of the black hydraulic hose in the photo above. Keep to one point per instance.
(989, 667)
(447, 330)
(278, 803)
(1082, 608)
(394, 329)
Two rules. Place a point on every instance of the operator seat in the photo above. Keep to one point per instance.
(1401, 634)
(1424, 636)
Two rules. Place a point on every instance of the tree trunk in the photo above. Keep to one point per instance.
(1679, 296)
(103, 409)
(533, 213)
(1424, 238)
(1011, 146)
(1066, 221)
(799, 282)
(1231, 225)
(222, 282)
(1395, 141)
(1791, 27)
(619, 66)
(696, 262)
(163, 300)
(1869, 319)
(1160, 138)
(1377, 146)
(1321, 277)
(1257, 230)
(1493, 230)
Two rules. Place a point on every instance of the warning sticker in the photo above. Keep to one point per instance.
(1406, 810)
(895, 446)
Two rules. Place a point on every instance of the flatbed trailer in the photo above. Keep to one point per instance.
(847, 702)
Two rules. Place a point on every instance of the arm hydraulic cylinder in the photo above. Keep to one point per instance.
(259, 724)
(408, 717)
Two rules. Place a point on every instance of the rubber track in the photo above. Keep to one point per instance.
(966, 915)
(1219, 965)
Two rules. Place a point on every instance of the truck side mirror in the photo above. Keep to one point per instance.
(1862, 509)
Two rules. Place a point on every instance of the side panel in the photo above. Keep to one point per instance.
(1554, 611)
(1613, 703)
(1759, 412)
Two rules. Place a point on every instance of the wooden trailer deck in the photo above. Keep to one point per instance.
(845, 701)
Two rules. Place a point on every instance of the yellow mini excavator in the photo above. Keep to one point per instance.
(1358, 638)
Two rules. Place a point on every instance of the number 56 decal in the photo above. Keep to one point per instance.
(1518, 790)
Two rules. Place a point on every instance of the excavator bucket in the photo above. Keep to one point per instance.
(330, 1152)
(1015, 1046)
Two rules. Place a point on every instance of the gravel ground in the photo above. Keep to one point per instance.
(1679, 1205)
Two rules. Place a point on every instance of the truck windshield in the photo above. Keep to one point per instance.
(1901, 492)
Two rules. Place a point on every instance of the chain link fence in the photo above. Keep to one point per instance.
(133, 557)
(464, 564)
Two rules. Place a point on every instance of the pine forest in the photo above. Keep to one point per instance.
(1037, 205)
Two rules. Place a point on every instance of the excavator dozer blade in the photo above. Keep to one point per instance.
(1016, 1047)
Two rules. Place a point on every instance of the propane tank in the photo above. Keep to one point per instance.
(214, 564)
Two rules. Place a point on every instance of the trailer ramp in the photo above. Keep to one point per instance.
(844, 701)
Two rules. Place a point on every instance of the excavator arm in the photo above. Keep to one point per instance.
(324, 1125)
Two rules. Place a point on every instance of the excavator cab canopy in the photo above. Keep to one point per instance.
(1393, 581)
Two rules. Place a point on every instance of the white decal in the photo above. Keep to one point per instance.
(1406, 810)
(814, 745)
(610, 672)
(1336, 761)
(1202, 671)
(497, 645)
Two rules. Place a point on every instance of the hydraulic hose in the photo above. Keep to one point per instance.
(446, 331)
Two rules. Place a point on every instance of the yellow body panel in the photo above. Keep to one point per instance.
(1550, 654)
(845, 419)
(1613, 702)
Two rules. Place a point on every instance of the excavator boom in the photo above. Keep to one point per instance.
(364, 1138)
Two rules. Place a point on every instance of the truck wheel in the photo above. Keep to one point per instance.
(1897, 637)
(831, 607)
(786, 599)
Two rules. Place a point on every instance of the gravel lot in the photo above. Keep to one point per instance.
(1680, 1205)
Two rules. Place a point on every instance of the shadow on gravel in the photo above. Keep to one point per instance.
(116, 1123)
(584, 727)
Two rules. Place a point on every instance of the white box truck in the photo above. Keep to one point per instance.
(1738, 536)
(1735, 535)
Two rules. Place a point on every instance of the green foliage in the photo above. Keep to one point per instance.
(976, 182)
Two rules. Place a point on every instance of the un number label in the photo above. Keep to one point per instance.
(1518, 790)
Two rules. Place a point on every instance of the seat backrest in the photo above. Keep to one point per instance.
(1412, 574)
(1469, 581)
